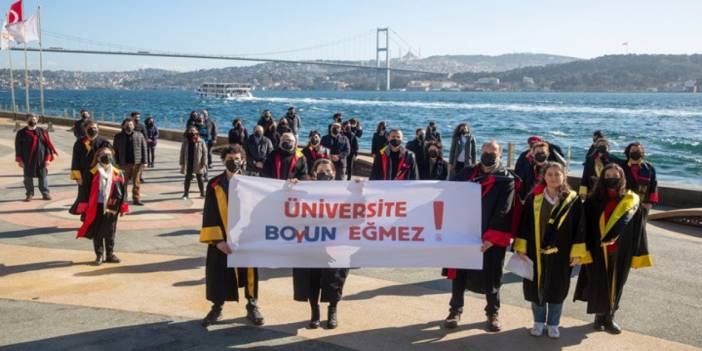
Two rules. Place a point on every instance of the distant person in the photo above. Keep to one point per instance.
(594, 164)
(311, 284)
(380, 139)
(339, 149)
(550, 236)
(531, 172)
(238, 133)
(107, 202)
(33, 153)
(272, 133)
(286, 161)
(353, 131)
(596, 135)
(78, 126)
(640, 176)
(82, 162)
(151, 141)
(203, 131)
(497, 198)
(193, 161)
(130, 156)
(211, 136)
(294, 120)
(138, 126)
(435, 167)
(394, 162)
(192, 119)
(222, 283)
(526, 158)
(258, 147)
(266, 119)
(616, 240)
(314, 149)
(416, 145)
(338, 117)
(463, 151)
(432, 133)
(283, 127)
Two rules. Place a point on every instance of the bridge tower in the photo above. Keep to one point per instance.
(379, 47)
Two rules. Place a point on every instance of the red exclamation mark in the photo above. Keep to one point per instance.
(438, 217)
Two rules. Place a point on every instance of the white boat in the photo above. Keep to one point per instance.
(225, 90)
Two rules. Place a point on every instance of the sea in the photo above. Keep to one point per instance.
(668, 124)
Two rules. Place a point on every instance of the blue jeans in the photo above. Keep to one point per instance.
(43, 185)
(554, 313)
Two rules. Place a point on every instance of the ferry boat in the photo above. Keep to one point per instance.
(225, 90)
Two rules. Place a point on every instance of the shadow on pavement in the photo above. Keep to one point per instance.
(8, 270)
(36, 231)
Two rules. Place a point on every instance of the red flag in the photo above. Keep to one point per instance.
(15, 14)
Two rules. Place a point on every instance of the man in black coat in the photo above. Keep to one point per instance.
(258, 147)
(286, 161)
(354, 132)
(394, 162)
(130, 156)
(416, 145)
(78, 127)
(294, 120)
(339, 149)
(33, 153)
(212, 132)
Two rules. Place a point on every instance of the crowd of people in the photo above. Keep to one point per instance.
(530, 210)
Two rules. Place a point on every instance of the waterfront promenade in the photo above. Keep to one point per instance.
(53, 298)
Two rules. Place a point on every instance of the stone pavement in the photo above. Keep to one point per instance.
(53, 298)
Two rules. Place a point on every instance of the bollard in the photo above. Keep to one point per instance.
(50, 127)
(570, 154)
(17, 126)
(165, 121)
(510, 155)
(102, 116)
(113, 117)
(65, 112)
(74, 113)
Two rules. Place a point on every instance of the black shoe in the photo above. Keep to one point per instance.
(332, 322)
(254, 315)
(46, 197)
(214, 316)
(111, 258)
(314, 320)
(28, 198)
(611, 326)
(599, 323)
(451, 322)
(98, 260)
(137, 203)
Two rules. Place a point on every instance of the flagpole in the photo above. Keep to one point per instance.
(41, 65)
(26, 68)
(12, 82)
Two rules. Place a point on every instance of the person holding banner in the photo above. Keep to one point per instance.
(314, 150)
(394, 161)
(497, 198)
(222, 283)
(286, 161)
(436, 168)
(310, 283)
(552, 237)
(616, 240)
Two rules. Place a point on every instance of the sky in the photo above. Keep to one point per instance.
(583, 29)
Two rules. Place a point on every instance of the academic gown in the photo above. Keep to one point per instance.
(384, 169)
(601, 282)
(591, 170)
(497, 198)
(222, 282)
(331, 282)
(83, 154)
(550, 249)
(280, 165)
(99, 225)
(34, 148)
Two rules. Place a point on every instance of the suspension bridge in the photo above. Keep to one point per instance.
(354, 52)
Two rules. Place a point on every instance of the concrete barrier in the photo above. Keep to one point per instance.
(670, 195)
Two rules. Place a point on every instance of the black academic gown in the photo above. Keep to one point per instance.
(81, 162)
(33, 148)
(282, 165)
(601, 282)
(331, 282)
(222, 282)
(591, 171)
(385, 169)
(552, 249)
(437, 171)
(497, 199)
(98, 225)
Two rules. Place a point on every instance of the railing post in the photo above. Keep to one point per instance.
(570, 155)
(510, 155)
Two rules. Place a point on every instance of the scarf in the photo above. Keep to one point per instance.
(105, 186)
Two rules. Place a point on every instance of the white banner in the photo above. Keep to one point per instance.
(354, 224)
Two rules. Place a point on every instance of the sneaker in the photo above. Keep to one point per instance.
(537, 329)
(553, 332)
(98, 260)
(451, 322)
(254, 315)
(493, 323)
(46, 197)
(28, 198)
(214, 316)
(185, 197)
(112, 258)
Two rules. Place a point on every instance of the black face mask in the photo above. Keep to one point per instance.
(540, 157)
(314, 141)
(395, 142)
(602, 149)
(635, 155)
(128, 130)
(286, 146)
(420, 137)
(258, 134)
(324, 176)
(611, 183)
(233, 166)
(335, 131)
(106, 159)
(433, 154)
(91, 132)
(32, 123)
(488, 159)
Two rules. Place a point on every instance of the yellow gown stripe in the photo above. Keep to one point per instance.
(538, 201)
(211, 234)
(578, 250)
(520, 245)
(641, 261)
(629, 203)
(222, 205)
(250, 280)
(583, 190)
(76, 175)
